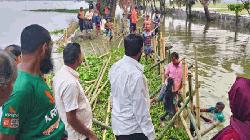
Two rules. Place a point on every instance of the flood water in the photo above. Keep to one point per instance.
(217, 52)
(14, 17)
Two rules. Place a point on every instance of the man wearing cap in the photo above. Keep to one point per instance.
(30, 112)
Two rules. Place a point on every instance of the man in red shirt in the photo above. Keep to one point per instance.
(133, 20)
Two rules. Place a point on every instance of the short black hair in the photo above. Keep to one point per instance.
(13, 49)
(221, 104)
(174, 55)
(7, 69)
(133, 44)
(33, 37)
(71, 53)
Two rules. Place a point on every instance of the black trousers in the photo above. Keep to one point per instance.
(136, 136)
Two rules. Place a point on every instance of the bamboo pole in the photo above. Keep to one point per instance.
(101, 76)
(174, 118)
(184, 78)
(89, 82)
(158, 63)
(94, 105)
(87, 89)
(190, 90)
(107, 120)
(101, 124)
(98, 77)
(95, 95)
(186, 126)
(210, 128)
(155, 50)
(192, 119)
(198, 119)
(104, 55)
(162, 57)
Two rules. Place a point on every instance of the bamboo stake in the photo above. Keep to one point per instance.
(107, 120)
(190, 90)
(174, 118)
(101, 124)
(95, 95)
(184, 78)
(186, 126)
(192, 119)
(162, 57)
(155, 50)
(198, 119)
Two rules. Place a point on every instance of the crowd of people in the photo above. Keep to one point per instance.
(93, 18)
(32, 110)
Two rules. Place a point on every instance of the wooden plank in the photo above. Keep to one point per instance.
(198, 119)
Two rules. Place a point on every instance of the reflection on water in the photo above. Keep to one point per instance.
(15, 18)
(217, 50)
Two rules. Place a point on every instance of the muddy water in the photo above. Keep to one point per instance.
(218, 51)
(16, 17)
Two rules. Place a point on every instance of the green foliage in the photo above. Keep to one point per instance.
(56, 32)
(236, 8)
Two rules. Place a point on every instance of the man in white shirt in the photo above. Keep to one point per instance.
(129, 94)
(72, 104)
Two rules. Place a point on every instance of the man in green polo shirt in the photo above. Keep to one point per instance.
(30, 112)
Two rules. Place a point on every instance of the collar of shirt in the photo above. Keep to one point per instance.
(133, 62)
(176, 66)
(71, 71)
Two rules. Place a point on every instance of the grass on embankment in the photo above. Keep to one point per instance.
(58, 10)
(56, 32)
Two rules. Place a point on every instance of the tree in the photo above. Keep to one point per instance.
(237, 8)
(246, 5)
(205, 4)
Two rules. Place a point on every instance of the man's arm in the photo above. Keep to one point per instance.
(140, 109)
(7, 137)
(78, 126)
(70, 101)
